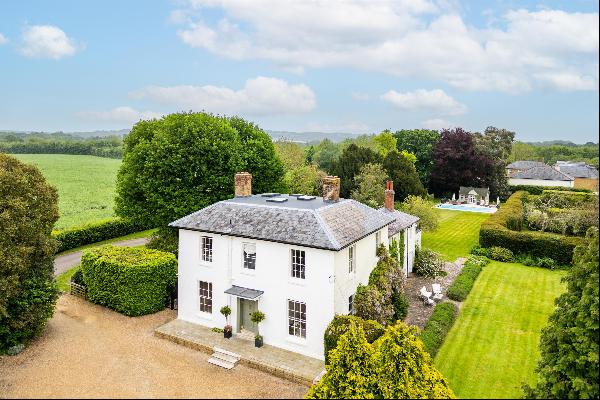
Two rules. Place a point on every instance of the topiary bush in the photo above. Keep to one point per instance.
(439, 324)
(500, 254)
(133, 281)
(341, 324)
(96, 232)
(462, 285)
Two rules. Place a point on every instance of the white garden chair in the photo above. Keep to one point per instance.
(437, 291)
(426, 296)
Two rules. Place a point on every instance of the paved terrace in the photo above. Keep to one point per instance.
(279, 362)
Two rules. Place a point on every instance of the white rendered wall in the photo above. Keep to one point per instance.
(272, 275)
(347, 282)
(539, 182)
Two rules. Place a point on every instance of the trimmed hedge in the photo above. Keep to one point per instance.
(460, 289)
(341, 324)
(439, 324)
(96, 232)
(499, 230)
(540, 189)
(133, 281)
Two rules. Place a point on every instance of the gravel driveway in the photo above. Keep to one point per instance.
(89, 351)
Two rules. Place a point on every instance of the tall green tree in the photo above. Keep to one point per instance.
(186, 161)
(419, 142)
(349, 164)
(326, 153)
(496, 145)
(384, 142)
(568, 367)
(369, 185)
(28, 211)
(290, 153)
(404, 174)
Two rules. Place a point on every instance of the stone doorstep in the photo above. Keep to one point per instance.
(279, 371)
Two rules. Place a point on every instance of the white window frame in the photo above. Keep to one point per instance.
(244, 261)
(352, 259)
(298, 264)
(206, 249)
(295, 322)
(205, 301)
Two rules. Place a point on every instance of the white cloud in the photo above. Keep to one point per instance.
(437, 124)
(121, 114)
(3, 39)
(46, 41)
(417, 39)
(348, 127)
(259, 96)
(429, 100)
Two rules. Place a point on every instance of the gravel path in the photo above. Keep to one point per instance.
(67, 261)
(90, 351)
(419, 313)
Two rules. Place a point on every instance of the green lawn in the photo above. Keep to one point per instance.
(457, 232)
(85, 184)
(493, 346)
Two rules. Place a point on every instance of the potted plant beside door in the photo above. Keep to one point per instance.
(257, 317)
(227, 331)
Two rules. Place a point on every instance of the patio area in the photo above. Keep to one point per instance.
(276, 361)
(418, 312)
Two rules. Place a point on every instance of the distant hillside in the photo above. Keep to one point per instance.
(567, 143)
(306, 137)
(88, 134)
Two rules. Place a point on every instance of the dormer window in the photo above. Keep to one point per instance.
(249, 250)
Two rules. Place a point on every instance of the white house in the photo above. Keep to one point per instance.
(473, 195)
(543, 175)
(298, 259)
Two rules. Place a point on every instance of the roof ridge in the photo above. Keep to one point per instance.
(326, 229)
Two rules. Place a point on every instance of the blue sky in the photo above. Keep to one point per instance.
(360, 67)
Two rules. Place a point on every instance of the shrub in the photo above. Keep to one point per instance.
(481, 261)
(96, 232)
(546, 262)
(428, 263)
(500, 254)
(439, 324)
(371, 304)
(28, 210)
(341, 324)
(165, 239)
(77, 278)
(132, 281)
(494, 232)
(540, 189)
(477, 250)
(460, 289)
(420, 207)
(401, 304)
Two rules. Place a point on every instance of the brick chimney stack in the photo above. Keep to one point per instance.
(389, 195)
(243, 184)
(331, 188)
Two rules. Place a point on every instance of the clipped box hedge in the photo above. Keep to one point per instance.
(96, 232)
(462, 285)
(539, 189)
(503, 229)
(439, 324)
(133, 281)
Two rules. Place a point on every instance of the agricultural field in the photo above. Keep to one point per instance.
(85, 184)
(457, 232)
(492, 349)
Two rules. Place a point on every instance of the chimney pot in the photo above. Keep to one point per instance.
(243, 184)
(331, 188)
(389, 195)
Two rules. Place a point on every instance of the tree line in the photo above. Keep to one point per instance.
(60, 143)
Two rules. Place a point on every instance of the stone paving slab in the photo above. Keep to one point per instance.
(276, 361)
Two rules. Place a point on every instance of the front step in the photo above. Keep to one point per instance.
(224, 358)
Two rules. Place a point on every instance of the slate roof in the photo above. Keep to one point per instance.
(311, 223)
(402, 221)
(524, 164)
(544, 172)
(579, 170)
(464, 190)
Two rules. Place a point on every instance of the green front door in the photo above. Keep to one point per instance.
(247, 307)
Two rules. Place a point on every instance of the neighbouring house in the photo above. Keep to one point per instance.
(522, 165)
(473, 195)
(543, 175)
(296, 258)
(585, 175)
